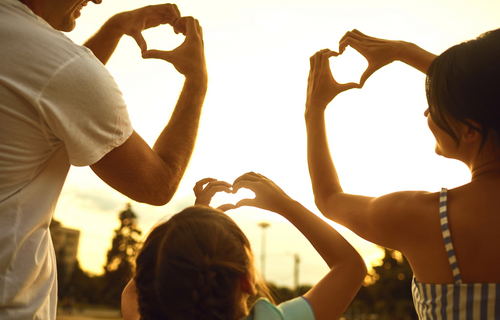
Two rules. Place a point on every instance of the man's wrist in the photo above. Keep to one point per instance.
(114, 25)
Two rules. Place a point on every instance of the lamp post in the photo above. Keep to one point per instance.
(264, 225)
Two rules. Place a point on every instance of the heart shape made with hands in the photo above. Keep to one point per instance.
(348, 66)
(158, 39)
(222, 198)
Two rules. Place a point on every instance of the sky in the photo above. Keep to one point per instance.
(257, 56)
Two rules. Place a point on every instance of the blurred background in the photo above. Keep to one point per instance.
(258, 61)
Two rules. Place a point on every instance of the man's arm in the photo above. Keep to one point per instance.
(104, 42)
(153, 175)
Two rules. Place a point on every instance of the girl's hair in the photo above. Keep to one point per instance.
(190, 265)
(463, 83)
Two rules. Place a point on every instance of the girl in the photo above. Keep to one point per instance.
(199, 264)
(450, 238)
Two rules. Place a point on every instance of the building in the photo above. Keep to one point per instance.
(66, 247)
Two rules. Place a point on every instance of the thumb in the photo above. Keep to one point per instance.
(156, 54)
(140, 41)
(226, 207)
(245, 202)
(368, 72)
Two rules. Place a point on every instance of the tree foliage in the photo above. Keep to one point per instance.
(120, 265)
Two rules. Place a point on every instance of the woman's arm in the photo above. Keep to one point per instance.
(332, 295)
(388, 220)
(381, 52)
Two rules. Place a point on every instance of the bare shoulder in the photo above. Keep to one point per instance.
(398, 219)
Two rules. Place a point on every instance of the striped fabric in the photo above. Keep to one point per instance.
(458, 301)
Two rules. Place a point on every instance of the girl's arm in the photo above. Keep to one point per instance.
(332, 295)
(381, 52)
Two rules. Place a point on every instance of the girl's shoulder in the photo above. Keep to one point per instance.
(295, 309)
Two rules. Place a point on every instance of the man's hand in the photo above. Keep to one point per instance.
(133, 22)
(189, 57)
(321, 86)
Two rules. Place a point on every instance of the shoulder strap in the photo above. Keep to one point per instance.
(447, 236)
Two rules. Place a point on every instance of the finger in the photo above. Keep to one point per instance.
(180, 25)
(198, 187)
(324, 65)
(246, 176)
(157, 54)
(349, 85)
(141, 42)
(245, 202)
(353, 43)
(368, 72)
(252, 184)
(226, 207)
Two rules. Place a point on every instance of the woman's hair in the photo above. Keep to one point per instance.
(190, 265)
(463, 84)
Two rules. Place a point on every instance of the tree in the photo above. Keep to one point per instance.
(388, 293)
(120, 265)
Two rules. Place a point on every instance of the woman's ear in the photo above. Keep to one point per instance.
(469, 134)
(247, 282)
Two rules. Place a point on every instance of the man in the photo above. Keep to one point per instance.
(59, 106)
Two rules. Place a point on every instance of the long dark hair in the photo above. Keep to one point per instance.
(463, 84)
(189, 266)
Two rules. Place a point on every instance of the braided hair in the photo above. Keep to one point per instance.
(189, 267)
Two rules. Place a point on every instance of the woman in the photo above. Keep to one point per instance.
(199, 264)
(450, 238)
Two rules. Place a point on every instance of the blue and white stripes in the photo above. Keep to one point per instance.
(447, 236)
(458, 301)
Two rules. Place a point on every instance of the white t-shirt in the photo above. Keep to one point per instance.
(59, 106)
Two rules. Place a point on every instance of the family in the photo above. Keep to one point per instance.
(60, 106)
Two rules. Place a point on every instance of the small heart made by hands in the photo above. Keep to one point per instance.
(162, 38)
(231, 198)
(349, 66)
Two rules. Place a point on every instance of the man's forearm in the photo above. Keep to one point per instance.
(175, 144)
(104, 42)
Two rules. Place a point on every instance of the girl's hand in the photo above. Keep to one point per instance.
(268, 195)
(204, 193)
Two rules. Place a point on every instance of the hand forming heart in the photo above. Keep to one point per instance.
(133, 22)
(348, 66)
(207, 188)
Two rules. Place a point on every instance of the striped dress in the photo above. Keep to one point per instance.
(458, 301)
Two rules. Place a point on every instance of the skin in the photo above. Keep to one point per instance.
(149, 175)
(409, 221)
(331, 295)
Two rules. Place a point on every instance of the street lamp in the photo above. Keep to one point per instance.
(264, 225)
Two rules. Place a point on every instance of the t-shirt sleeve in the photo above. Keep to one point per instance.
(297, 309)
(83, 108)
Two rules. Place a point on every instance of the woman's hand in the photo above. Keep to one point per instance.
(206, 188)
(321, 86)
(381, 52)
